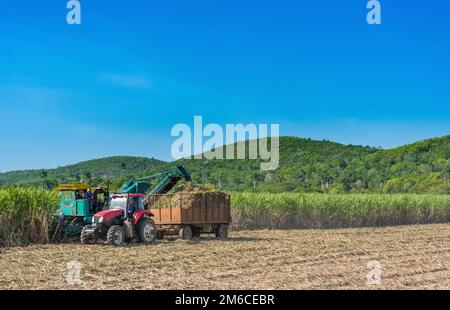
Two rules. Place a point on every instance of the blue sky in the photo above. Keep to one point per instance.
(117, 83)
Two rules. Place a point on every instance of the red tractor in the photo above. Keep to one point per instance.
(126, 219)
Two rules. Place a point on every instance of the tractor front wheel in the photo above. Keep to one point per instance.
(147, 231)
(84, 238)
(115, 235)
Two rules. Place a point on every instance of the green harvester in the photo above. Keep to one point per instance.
(76, 209)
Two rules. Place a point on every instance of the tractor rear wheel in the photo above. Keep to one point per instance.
(147, 231)
(222, 231)
(115, 235)
(186, 232)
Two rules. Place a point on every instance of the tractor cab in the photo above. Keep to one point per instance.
(128, 203)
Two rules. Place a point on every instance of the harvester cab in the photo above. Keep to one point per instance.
(76, 208)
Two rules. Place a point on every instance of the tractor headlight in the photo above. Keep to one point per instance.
(100, 220)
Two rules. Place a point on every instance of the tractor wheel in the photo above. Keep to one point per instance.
(84, 237)
(222, 231)
(186, 232)
(115, 235)
(147, 231)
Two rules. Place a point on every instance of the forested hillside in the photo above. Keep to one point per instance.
(94, 171)
(323, 166)
(305, 166)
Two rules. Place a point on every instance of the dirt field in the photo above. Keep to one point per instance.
(411, 257)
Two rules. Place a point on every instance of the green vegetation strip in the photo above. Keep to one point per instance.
(25, 215)
(289, 210)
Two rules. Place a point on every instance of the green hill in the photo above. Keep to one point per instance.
(323, 166)
(91, 170)
(421, 167)
(305, 166)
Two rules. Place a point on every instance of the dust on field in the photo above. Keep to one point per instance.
(411, 257)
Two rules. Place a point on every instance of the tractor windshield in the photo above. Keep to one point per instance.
(118, 203)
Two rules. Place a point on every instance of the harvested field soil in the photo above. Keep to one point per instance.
(411, 257)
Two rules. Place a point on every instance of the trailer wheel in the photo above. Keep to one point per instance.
(196, 231)
(222, 231)
(147, 231)
(186, 232)
(115, 235)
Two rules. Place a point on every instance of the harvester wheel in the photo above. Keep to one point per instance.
(115, 235)
(59, 230)
(186, 232)
(147, 231)
(222, 231)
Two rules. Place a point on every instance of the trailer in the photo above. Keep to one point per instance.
(191, 214)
